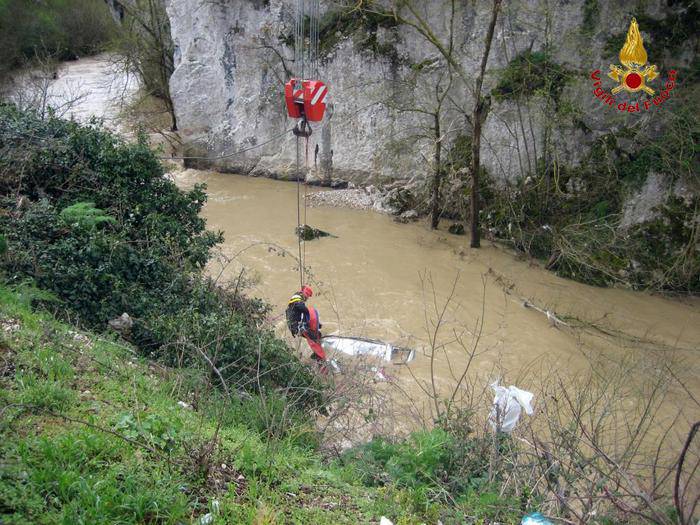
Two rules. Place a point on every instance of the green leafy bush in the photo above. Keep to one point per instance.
(61, 29)
(106, 233)
(150, 429)
(531, 73)
(84, 215)
(446, 464)
(363, 23)
(425, 459)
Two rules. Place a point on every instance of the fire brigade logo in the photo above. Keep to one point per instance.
(633, 77)
(635, 74)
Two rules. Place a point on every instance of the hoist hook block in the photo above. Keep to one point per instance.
(305, 99)
(302, 129)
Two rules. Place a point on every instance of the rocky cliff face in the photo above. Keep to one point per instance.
(231, 62)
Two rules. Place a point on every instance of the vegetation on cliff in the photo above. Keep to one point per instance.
(61, 29)
(625, 212)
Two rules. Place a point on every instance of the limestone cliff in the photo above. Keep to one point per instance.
(232, 58)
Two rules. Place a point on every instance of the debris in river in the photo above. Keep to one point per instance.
(380, 374)
(356, 198)
(309, 233)
(407, 216)
(551, 316)
(456, 228)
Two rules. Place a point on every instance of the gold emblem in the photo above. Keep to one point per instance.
(634, 57)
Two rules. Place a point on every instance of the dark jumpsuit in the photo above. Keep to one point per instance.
(297, 313)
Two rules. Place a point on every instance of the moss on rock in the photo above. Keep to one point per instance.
(531, 73)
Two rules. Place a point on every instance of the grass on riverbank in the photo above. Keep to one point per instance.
(91, 433)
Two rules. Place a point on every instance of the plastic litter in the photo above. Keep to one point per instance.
(507, 406)
(334, 366)
(385, 521)
(535, 519)
(379, 374)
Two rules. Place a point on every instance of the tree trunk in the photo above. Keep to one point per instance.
(477, 120)
(474, 204)
(171, 110)
(437, 176)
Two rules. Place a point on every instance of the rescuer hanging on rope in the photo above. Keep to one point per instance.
(304, 321)
(306, 101)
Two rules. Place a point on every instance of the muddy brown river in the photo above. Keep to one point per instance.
(390, 281)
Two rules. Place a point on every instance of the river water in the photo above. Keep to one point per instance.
(86, 88)
(392, 282)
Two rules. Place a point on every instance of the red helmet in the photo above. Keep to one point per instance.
(307, 291)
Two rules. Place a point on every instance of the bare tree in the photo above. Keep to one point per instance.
(408, 13)
(146, 49)
(432, 128)
(480, 112)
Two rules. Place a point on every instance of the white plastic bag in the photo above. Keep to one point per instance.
(507, 406)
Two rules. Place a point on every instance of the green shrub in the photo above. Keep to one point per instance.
(438, 465)
(421, 460)
(106, 233)
(150, 429)
(157, 241)
(363, 23)
(84, 215)
(97, 273)
(531, 73)
(571, 216)
(60, 29)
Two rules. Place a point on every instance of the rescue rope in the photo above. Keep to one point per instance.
(298, 230)
(233, 154)
(299, 66)
(301, 54)
(306, 186)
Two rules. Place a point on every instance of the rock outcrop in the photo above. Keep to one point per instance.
(233, 57)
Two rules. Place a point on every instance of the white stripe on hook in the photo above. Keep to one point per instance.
(320, 91)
